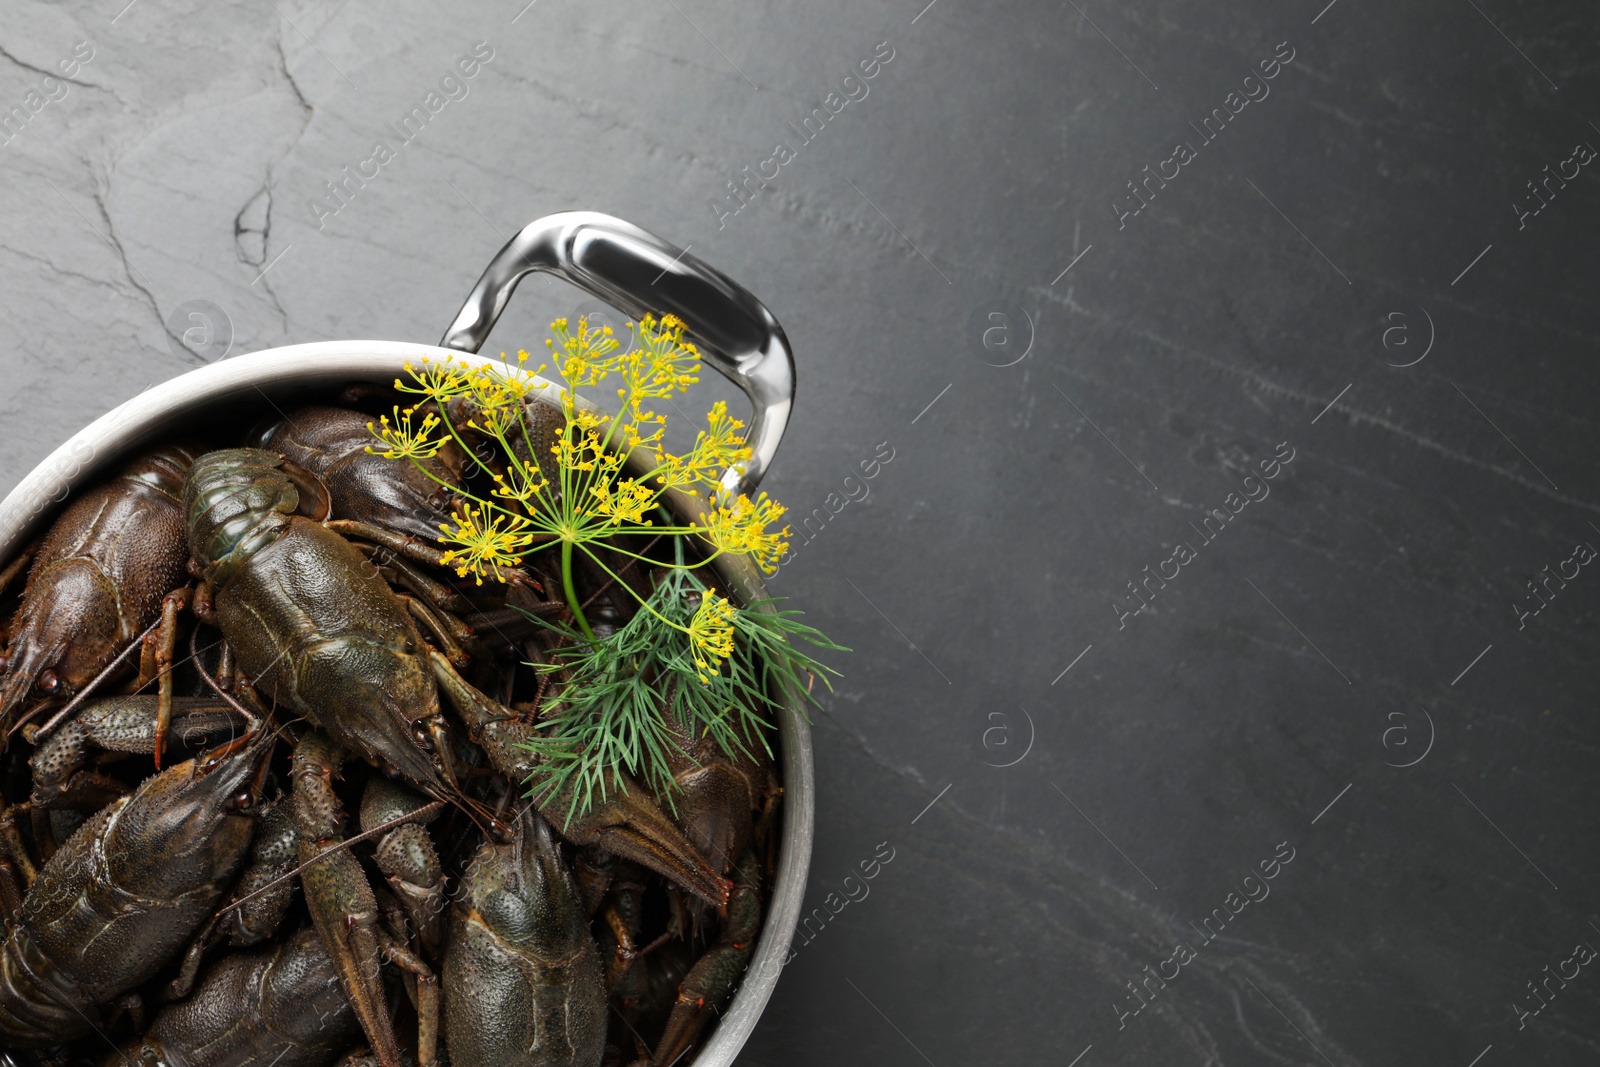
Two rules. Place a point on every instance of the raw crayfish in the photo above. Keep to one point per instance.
(450, 924)
(99, 578)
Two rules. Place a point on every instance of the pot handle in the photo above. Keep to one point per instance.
(637, 272)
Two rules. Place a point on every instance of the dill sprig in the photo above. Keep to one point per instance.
(613, 713)
(691, 663)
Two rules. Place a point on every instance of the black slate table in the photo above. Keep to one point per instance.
(1195, 443)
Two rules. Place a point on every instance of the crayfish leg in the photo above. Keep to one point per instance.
(148, 671)
(407, 546)
(439, 624)
(427, 986)
(16, 869)
(44, 835)
(12, 849)
(166, 649)
(18, 565)
(595, 869)
(436, 593)
(189, 970)
(411, 548)
(316, 502)
(342, 905)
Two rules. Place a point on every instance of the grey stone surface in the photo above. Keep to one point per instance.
(1334, 226)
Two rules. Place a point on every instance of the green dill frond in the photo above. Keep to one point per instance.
(613, 713)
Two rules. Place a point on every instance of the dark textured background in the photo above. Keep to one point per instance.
(1177, 353)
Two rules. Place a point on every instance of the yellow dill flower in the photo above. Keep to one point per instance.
(525, 485)
(495, 397)
(626, 501)
(741, 530)
(655, 376)
(586, 420)
(715, 449)
(578, 449)
(501, 541)
(498, 417)
(583, 358)
(439, 382)
(402, 441)
(661, 365)
(711, 635)
(520, 509)
(634, 439)
(721, 442)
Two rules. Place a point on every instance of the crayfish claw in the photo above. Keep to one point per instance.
(629, 824)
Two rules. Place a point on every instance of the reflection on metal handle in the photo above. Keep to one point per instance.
(637, 272)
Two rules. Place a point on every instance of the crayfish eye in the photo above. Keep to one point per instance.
(424, 742)
(49, 681)
(242, 802)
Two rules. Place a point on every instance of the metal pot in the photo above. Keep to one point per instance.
(633, 271)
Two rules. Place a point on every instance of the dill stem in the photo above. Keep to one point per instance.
(573, 604)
